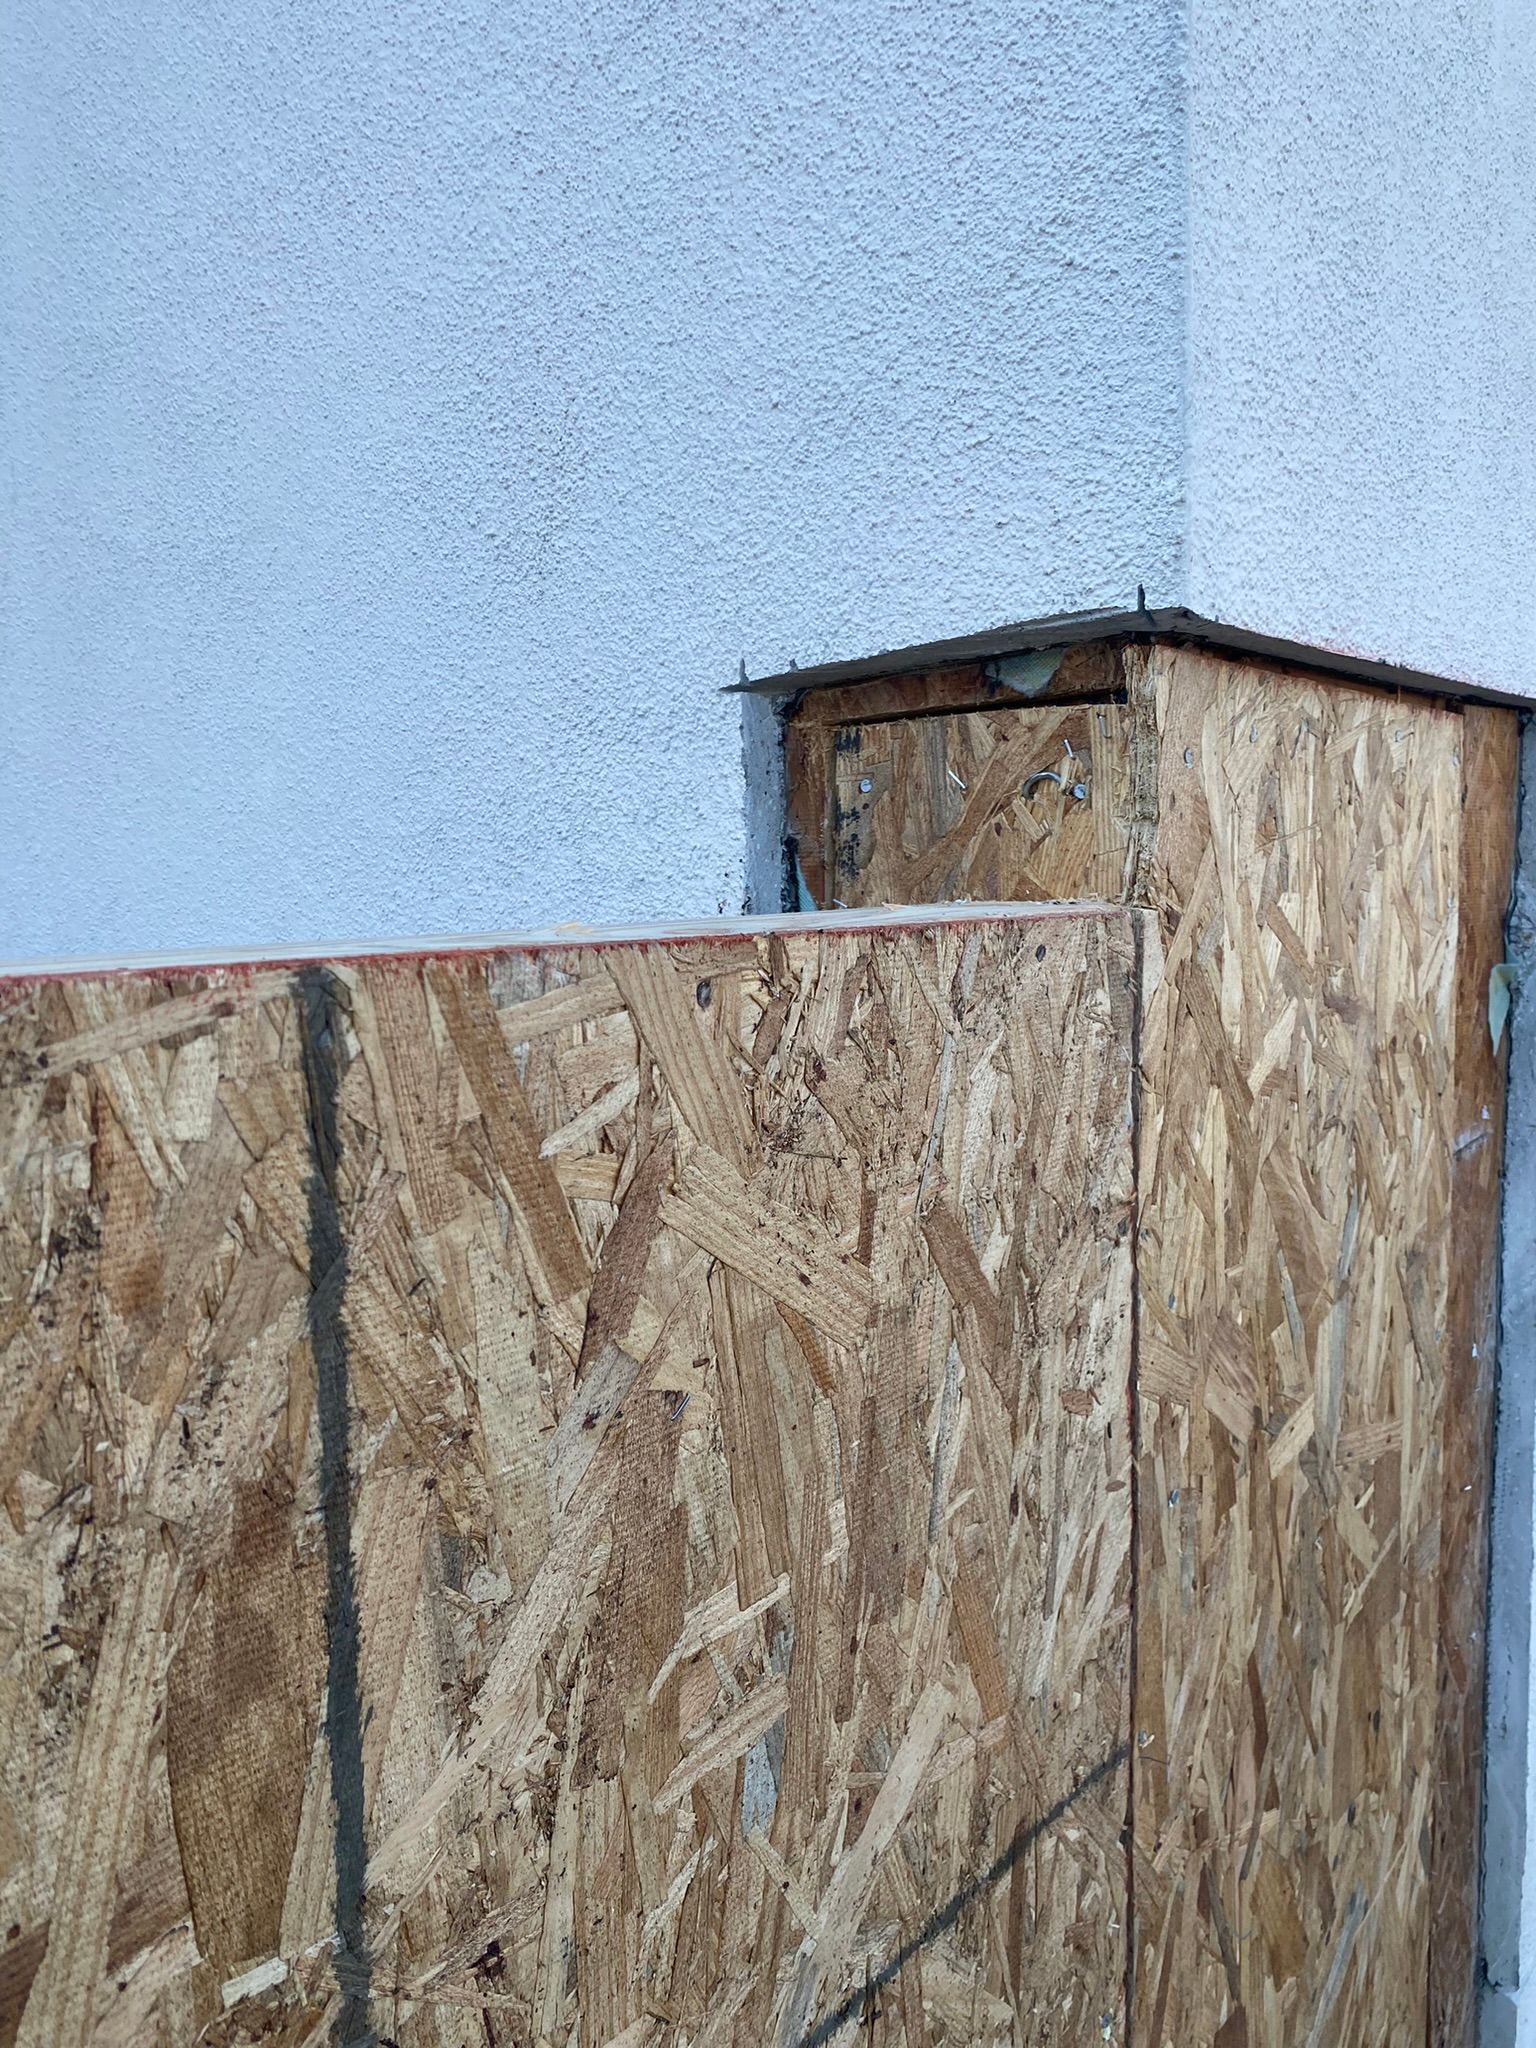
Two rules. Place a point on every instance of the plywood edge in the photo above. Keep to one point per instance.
(1490, 768)
(880, 917)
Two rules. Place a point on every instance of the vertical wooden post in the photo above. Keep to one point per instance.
(1490, 751)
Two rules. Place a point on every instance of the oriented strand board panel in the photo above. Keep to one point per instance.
(576, 1495)
(1319, 861)
(1025, 805)
(1297, 1134)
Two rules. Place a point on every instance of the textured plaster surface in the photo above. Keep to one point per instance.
(414, 415)
(1362, 328)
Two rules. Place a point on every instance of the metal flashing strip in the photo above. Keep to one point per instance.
(1067, 629)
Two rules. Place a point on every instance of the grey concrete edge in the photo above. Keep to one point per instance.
(1508, 1907)
(768, 881)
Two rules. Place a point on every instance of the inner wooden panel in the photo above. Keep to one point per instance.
(576, 1495)
(1296, 1144)
(1003, 804)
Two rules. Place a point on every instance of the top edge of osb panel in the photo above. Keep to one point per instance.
(567, 937)
(1170, 622)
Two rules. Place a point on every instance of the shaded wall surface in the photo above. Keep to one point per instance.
(415, 418)
(1362, 329)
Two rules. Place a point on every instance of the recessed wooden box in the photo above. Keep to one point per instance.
(1024, 805)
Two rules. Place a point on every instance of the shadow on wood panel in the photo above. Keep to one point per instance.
(703, 1368)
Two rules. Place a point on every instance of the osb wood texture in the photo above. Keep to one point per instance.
(1386, 826)
(826, 723)
(1023, 805)
(578, 1497)
(1296, 1139)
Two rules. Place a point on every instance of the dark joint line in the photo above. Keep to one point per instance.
(947, 1915)
(319, 1006)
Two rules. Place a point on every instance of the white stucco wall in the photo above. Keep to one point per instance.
(413, 415)
(1362, 329)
